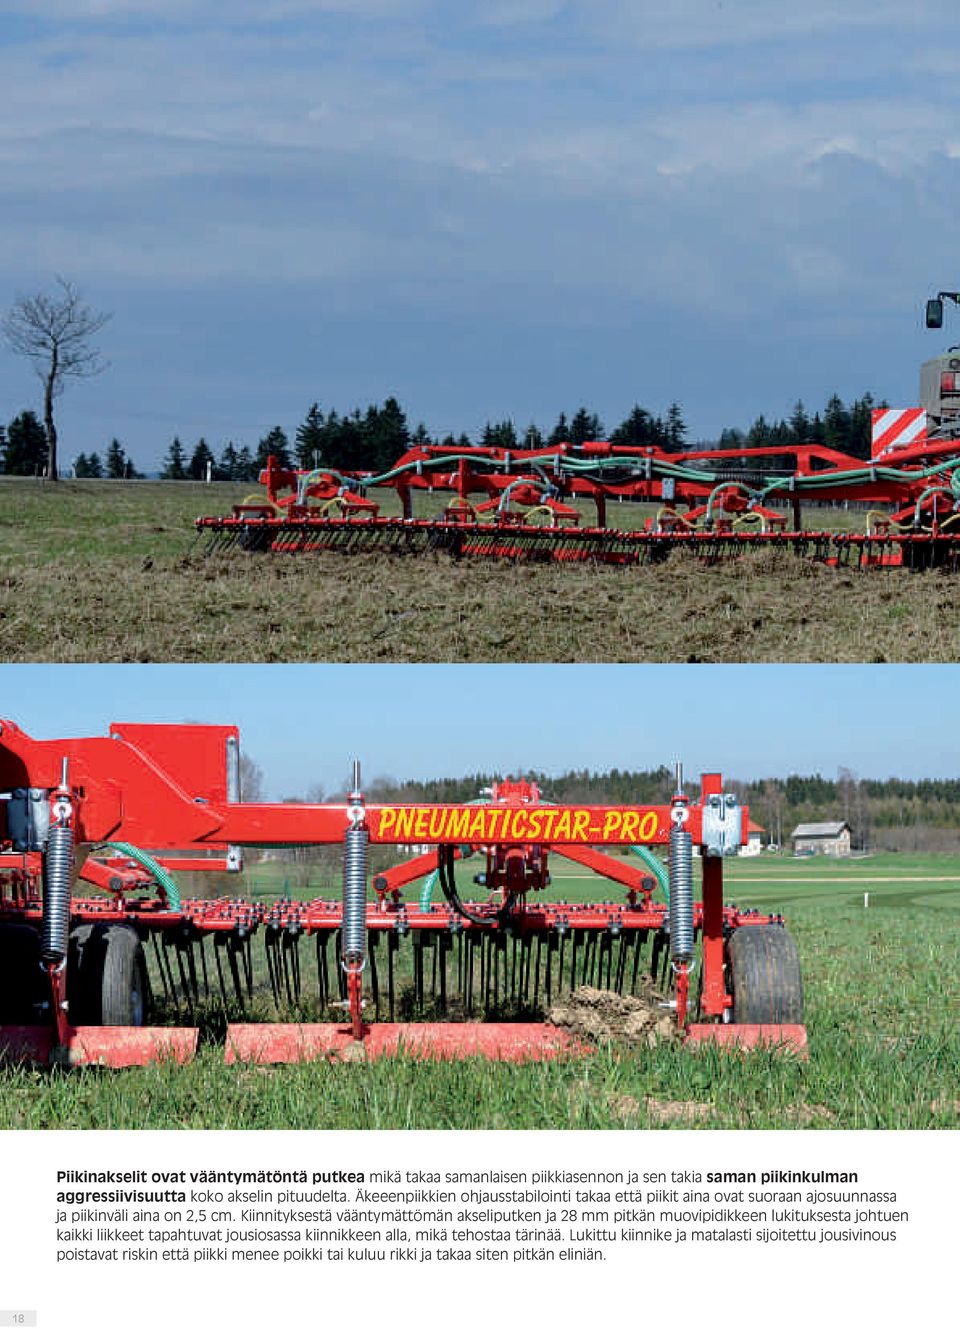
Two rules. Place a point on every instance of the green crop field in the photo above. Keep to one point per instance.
(883, 1017)
(101, 570)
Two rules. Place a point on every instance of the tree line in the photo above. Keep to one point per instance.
(373, 439)
(883, 814)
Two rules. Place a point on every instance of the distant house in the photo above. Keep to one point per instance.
(754, 842)
(822, 837)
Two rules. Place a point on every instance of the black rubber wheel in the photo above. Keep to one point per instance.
(107, 980)
(23, 987)
(764, 975)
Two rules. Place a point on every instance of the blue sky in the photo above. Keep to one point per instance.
(303, 724)
(506, 209)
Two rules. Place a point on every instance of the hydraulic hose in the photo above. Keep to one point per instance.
(159, 873)
(656, 866)
(449, 887)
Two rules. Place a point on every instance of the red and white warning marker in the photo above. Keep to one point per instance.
(895, 429)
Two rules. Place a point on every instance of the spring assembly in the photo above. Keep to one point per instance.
(681, 895)
(57, 880)
(355, 852)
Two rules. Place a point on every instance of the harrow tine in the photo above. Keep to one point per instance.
(373, 942)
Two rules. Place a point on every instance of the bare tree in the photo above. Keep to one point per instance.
(56, 334)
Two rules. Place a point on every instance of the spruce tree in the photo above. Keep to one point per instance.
(247, 468)
(560, 432)
(174, 468)
(201, 459)
(637, 430)
(116, 461)
(800, 423)
(94, 466)
(532, 437)
(25, 447)
(585, 427)
(310, 438)
(275, 444)
(229, 463)
(676, 426)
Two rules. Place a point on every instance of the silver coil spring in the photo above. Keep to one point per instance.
(681, 895)
(354, 934)
(57, 881)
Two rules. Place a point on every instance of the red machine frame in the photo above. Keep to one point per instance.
(173, 788)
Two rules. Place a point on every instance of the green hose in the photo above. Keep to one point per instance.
(426, 891)
(160, 874)
(656, 867)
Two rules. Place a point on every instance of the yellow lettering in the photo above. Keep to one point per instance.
(581, 824)
(388, 817)
(649, 826)
(478, 826)
(611, 824)
(631, 820)
(404, 828)
(457, 826)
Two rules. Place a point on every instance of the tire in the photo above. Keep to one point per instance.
(764, 975)
(23, 988)
(107, 980)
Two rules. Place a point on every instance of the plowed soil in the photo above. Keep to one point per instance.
(94, 572)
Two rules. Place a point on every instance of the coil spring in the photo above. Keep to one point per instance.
(681, 895)
(354, 938)
(57, 879)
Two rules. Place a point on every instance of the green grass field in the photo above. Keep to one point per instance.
(883, 1017)
(99, 570)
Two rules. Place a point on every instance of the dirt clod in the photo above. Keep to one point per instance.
(659, 1109)
(595, 1016)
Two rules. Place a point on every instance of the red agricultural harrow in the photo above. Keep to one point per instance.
(94, 830)
(522, 505)
(529, 504)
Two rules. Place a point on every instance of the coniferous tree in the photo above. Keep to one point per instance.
(861, 425)
(247, 468)
(227, 466)
(275, 444)
(173, 467)
(94, 467)
(637, 430)
(310, 438)
(421, 437)
(25, 446)
(676, 426)
(81, 465)
(387, 436)
(500, 435)
(800, 423)
(116, 461)
(532, 437)
(201, 459)
(836, 424)
(585, 427)
(560, 432)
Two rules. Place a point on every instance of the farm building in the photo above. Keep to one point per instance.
(822, 837)
(754, 842)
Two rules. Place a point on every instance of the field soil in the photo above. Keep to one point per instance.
(104, 571)
(593, 1016)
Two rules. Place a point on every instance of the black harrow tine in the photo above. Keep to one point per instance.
(393, 941)
(167, 994)
(270, 953)
(217, 948)
(373, 942)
